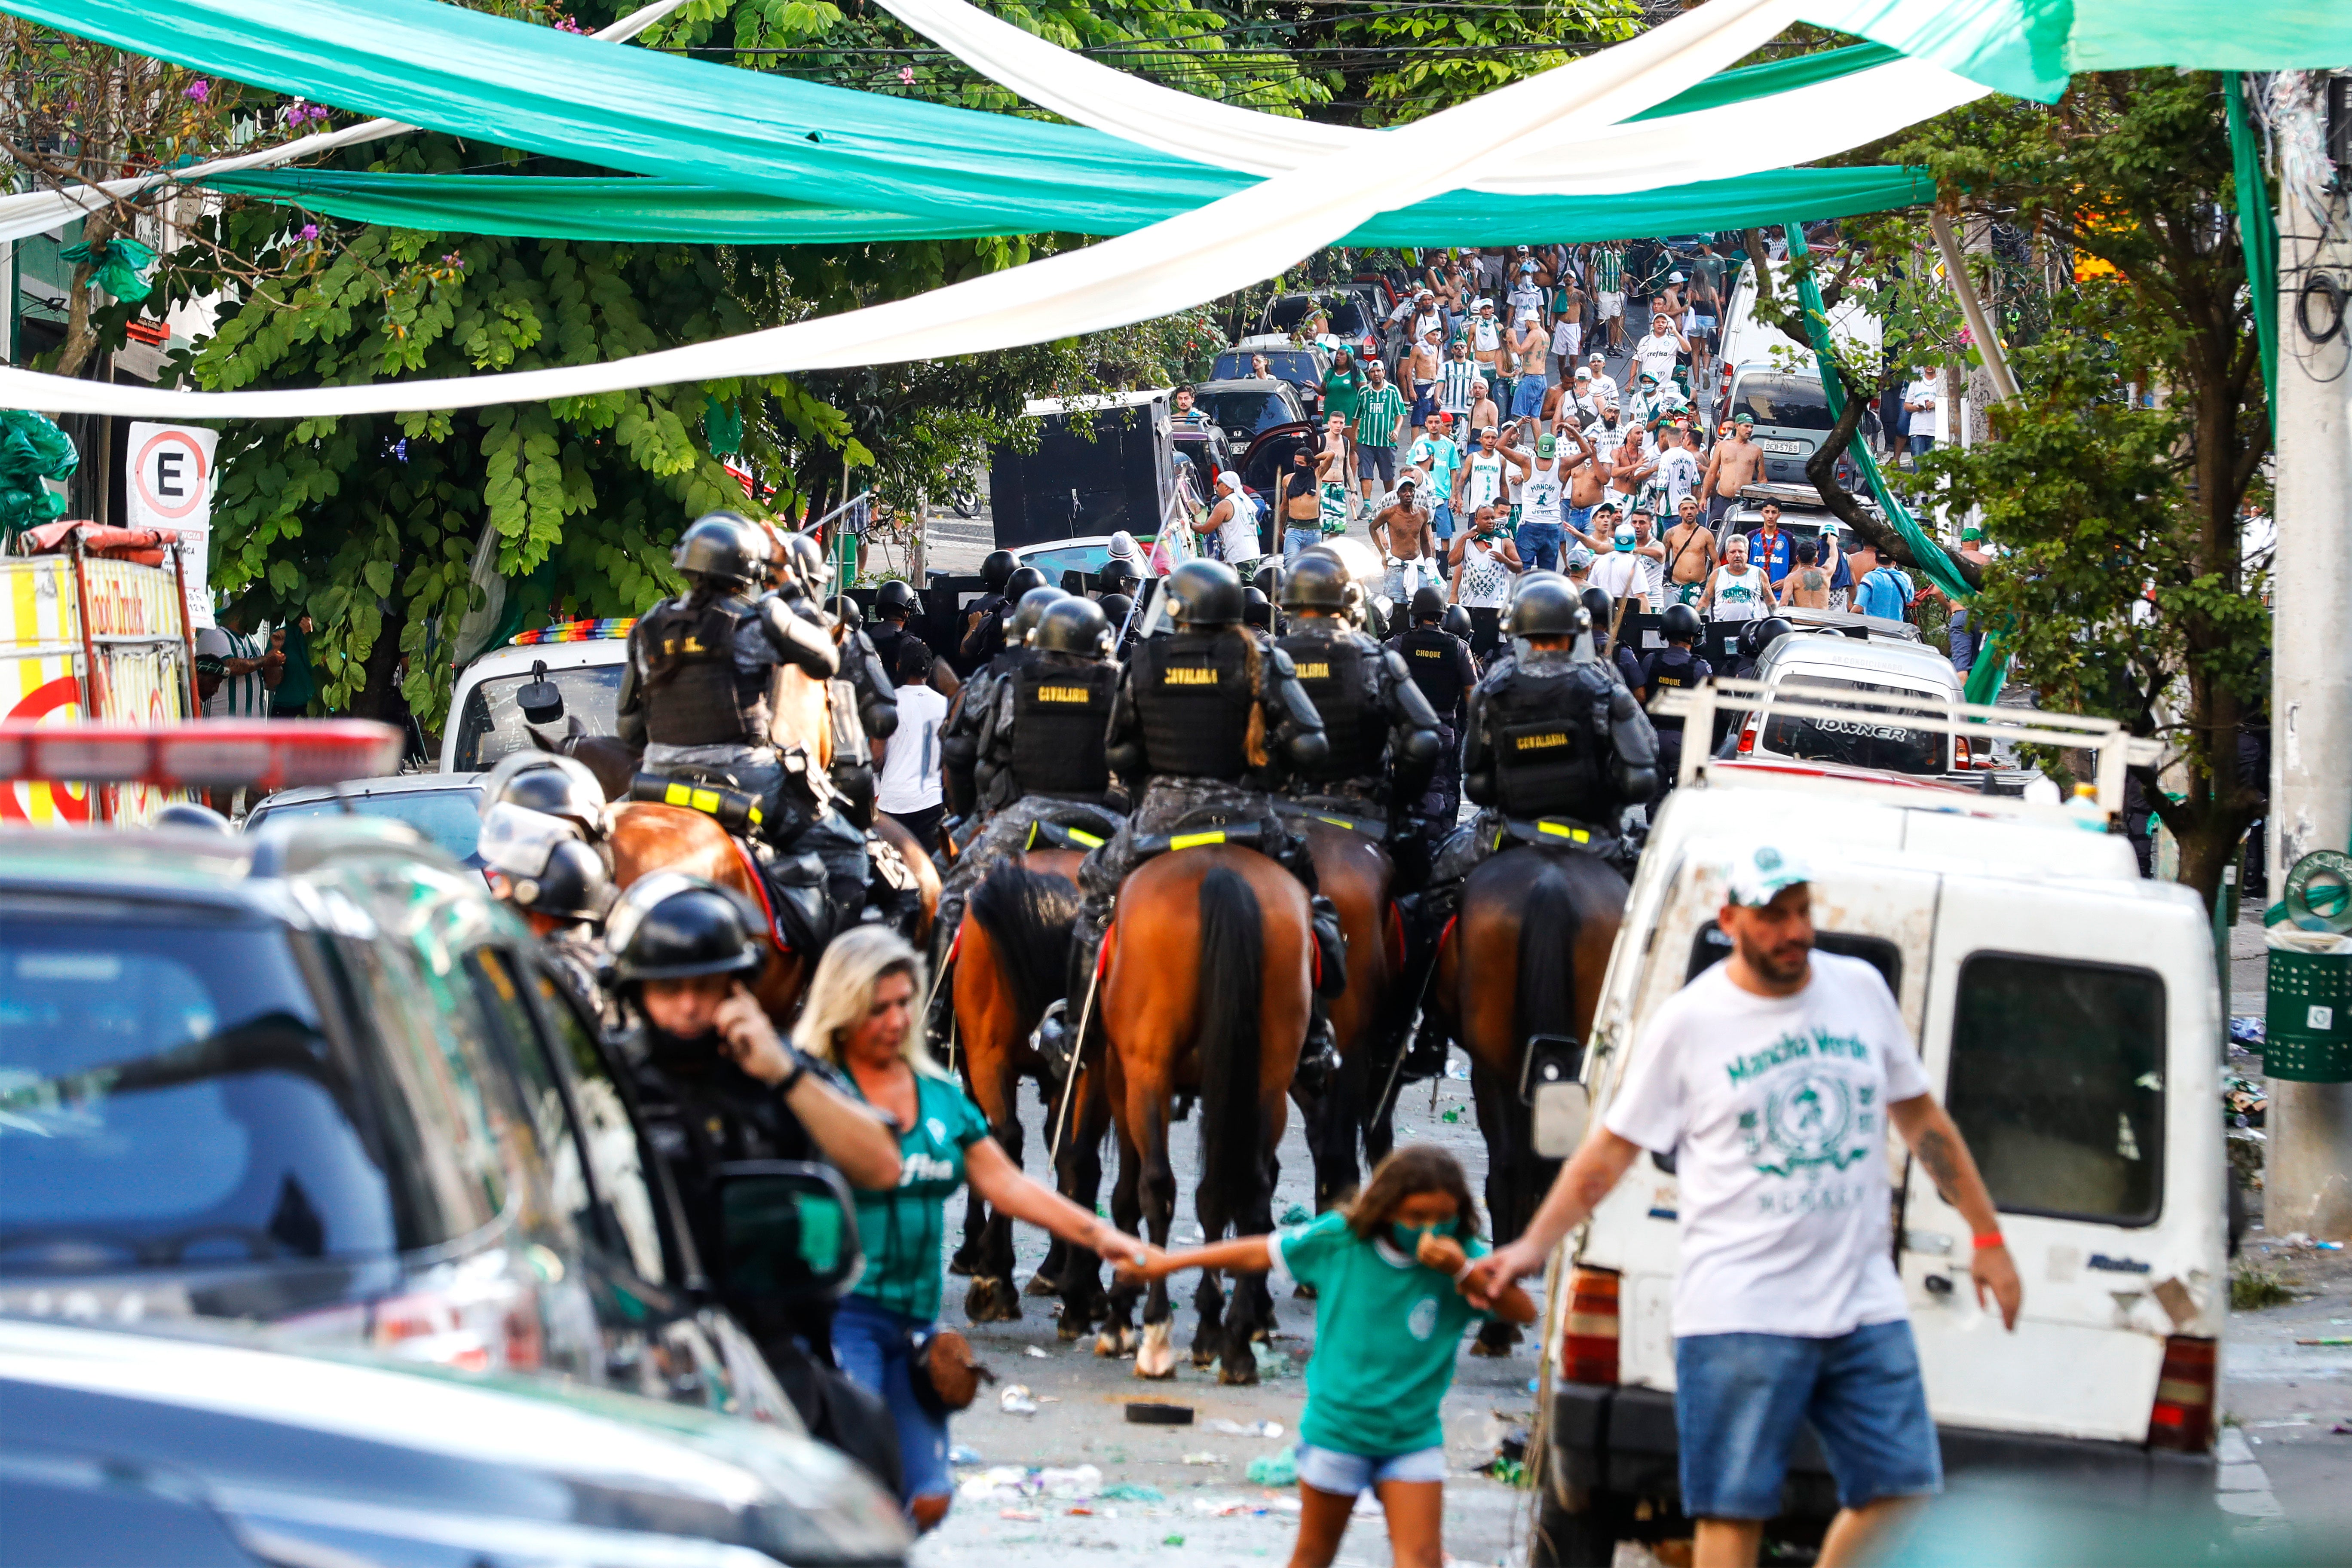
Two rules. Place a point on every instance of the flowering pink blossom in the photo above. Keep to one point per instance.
(198, 90)
(309, 231)
(566, 25)
(906, 75)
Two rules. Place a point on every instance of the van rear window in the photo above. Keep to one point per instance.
(2057, 1082)
(1868, 740)
(1790, 401)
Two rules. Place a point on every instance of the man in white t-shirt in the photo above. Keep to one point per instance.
(908, 760)
(1772, 1078)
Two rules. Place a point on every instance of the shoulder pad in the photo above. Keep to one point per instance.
(1281, 662)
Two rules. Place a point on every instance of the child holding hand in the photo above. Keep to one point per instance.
(1387, 1272)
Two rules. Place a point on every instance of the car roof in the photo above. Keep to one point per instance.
(1096, 402)
(1834, 651)
(1268, 342)
(1272, 384)
(391, 784)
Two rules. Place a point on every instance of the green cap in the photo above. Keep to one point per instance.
(1743, 418)
(1547, 443)
(1756, 876)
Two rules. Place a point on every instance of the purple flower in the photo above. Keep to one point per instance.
(451, 258)
(198, 90)
(566, 25)
(309, 231)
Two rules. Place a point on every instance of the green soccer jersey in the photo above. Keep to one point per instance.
(1386, 1328)
(1377, 413)
(902, 1227)
(1340, 390)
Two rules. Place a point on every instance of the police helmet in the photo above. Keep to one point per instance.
(1257, 610)
(1457, 621)
(723, 545)
(189, 814)
(1428, 602)
(1758, 636)
(1116, 609)
(1316, 582)
(1544, 606)
(1682, 624)
(1600, 607)
(996, 569)
(1071, 624)
(1119, 575)
(545, 781)
(572, 884)
(1267, 580)
(1020, 581)
(1204, 594)
(894, 599)
(1029, 612)
(853, 613)
(673, 927)
(809, 563)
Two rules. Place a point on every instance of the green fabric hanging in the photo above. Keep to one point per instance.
(32, 448)
(2028, 47)
(117, 266)
(1746, 83)
(722, 427)
(2257, 233)
(640, 210)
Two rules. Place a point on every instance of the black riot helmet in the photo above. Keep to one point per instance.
(1119, 575)
(556, 785)
(1428, 604)
(572, 885)
(1071, 624)
(1756, 636)
(1457, 621)
(996, 569)
(1600, 607)
(673, 927)
(1544, 606)
(725, 546)
(894, 600)
(1204, 594)
(1020, 581)
(1116, 609)
(1267, 579)
(1257, 610)
(1682, 624)
(853, 614)
(809, 563)
(1030, 610)
(1316, 583)
(189, 814)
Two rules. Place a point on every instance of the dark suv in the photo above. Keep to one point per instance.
(316, 1078)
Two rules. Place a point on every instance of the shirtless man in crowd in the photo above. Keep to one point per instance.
(1807, 586)
(1690, 556)
(1738, 463)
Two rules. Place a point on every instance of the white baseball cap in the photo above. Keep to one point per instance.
(1755, 877)
(1229, 479)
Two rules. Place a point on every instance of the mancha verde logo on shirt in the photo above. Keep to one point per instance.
(1810, 1117)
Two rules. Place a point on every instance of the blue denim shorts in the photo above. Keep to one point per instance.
(1740, 1398)
(1350, 1475)
(870, 1343)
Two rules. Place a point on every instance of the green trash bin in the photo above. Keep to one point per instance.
(2308, 1021)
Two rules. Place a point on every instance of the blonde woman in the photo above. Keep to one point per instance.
(859, 1016)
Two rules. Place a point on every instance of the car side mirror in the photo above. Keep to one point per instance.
(788, 1232)
(542, 701)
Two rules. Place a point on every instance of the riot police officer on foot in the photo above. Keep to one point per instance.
(1038, 750)
(1204, 720)
(542, 869)
(1380, 731)
(894, 606)
(1440, 663)
(1674, 668)
(959, 731)
(984, 623)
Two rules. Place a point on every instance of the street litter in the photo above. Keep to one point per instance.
(2246, 1029)
(1158, 1413)
(1225, 1508)
(1255, 1430)
(997, 1483)
(2340, 1429)
(1285, 1505)
(1457, 1070)
(1067, 1484)
(1279, 1468)
(963, 1453)
(2326, 1341)
(1128, 1491)
(1026, 1515)
(2245, 1101)
(1034, 1351)
(1015, 1400)
(1171, 1541)
(1205, 1458)
(1296, 1214)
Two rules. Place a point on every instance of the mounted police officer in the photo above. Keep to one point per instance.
(959, 731)
(714, 1084)
(1205, 722)
(1041, 773)
(1554, 750)
(1441, 666)
(1674, 668)
(1380, 731)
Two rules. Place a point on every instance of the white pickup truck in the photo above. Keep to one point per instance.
(2068, 1015)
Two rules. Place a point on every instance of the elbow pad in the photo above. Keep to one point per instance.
(1308, 749)
(799, 643)
(629, 709)
(1636, 785)
(1478, 784)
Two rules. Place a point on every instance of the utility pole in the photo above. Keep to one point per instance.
(2308, 1184)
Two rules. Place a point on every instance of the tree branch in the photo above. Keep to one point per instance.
(1822, 469)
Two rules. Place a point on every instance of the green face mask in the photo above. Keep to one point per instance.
(1408, 1237)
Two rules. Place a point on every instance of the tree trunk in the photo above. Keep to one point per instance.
(379, 695)
(82, 340)
(1822, 469)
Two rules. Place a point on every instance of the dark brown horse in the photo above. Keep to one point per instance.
(1011, 959)
(1524, 959)
(1206, 989)
(1355, 872)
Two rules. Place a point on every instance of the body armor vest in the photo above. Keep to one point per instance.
(1333, 669)
(1547, 729)
(1061, 717)
(1675, 669)
(1193, 696)
(885, 635)
(695, 693)
(1430, 659)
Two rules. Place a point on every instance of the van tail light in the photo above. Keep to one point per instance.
(1960, 752)
(2182, 1417)
(1747, 736)
(1587, 1344)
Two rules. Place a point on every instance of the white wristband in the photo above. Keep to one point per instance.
(1464, 1272)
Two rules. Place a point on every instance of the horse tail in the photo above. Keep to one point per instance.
(1545, 1002)
(1231, 985)
(1027, 916)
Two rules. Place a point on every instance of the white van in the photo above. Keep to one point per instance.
(2067, 1013)
(1889, 660)
(583, 658)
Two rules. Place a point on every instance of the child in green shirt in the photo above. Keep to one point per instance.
(1387, 1272)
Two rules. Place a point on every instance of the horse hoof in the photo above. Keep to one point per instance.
(1107, 1343)
(961, 1264)
(1480, 1347)
(1071, 1329)
(1040, 1286)
(992, 1299)
(1155, 1358)
(1203, 1357)
(1242, 1377)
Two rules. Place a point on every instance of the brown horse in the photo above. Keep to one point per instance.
(1355, 872)
(1524, 959)
(649, 837)
(1206, 988)
(1012, 956)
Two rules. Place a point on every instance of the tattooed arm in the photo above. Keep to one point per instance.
(1938, 1146)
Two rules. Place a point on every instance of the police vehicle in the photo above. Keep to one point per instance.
(2068, 1014)
(315, 1078)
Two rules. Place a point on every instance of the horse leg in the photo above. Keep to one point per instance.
(1501, 1119)
(1209, 1301)
(993, 1298)
(1155, 1356)
(1251, 1314)
(1118, 1336)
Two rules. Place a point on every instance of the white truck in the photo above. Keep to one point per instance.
(2068, 1012)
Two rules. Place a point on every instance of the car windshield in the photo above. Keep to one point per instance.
(1790, 401)
(167, 1098)
(1345, 311)
(1249, 411)
(450, 817)
(1298, 366)
(491, 725)
(1866, 740)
